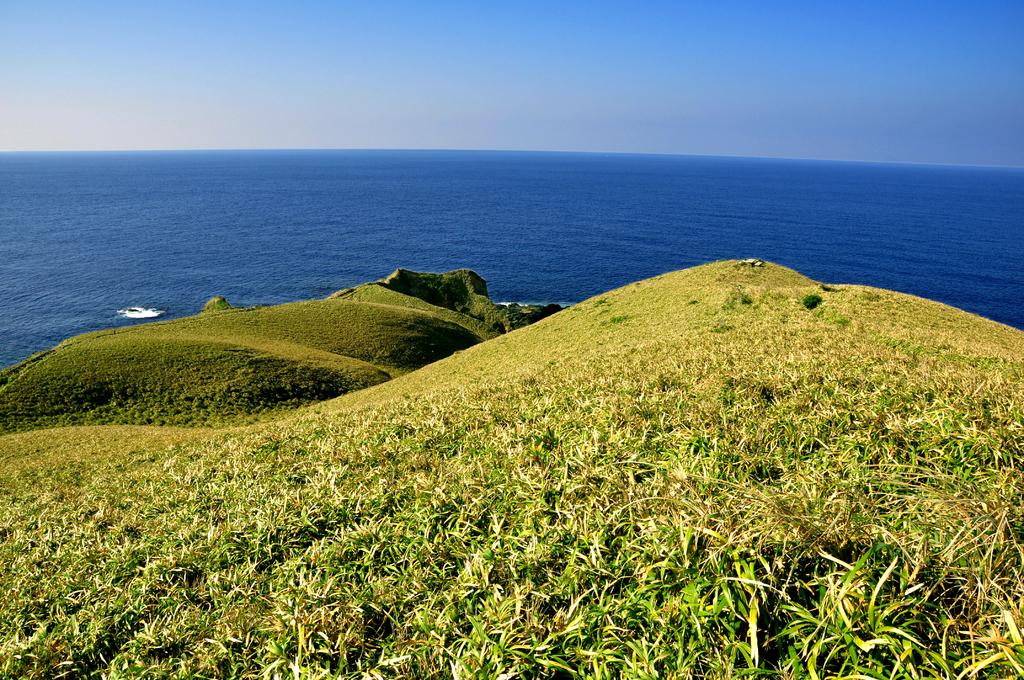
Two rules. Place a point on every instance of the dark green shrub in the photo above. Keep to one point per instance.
(811, 301)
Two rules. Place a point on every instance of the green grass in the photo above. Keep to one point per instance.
(710, 489)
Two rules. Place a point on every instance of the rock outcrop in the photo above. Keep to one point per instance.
(463, 291)
(217, 303)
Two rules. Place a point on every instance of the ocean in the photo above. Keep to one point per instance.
(83, 235)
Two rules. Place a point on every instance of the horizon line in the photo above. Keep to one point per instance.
(515, 150)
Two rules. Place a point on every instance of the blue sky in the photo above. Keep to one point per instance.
(939, 82)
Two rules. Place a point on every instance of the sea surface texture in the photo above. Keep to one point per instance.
(83, 235)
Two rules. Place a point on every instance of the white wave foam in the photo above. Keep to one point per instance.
(140, 312)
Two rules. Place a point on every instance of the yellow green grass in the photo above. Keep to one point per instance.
(692, 476)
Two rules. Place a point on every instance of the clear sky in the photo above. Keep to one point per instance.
(900, 80)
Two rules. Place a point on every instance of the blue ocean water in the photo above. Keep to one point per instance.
(85, 234)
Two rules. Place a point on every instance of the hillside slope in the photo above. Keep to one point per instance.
(693, 476)
(225, 362)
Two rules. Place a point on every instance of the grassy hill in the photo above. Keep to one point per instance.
(228, 363)
(719, 472)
